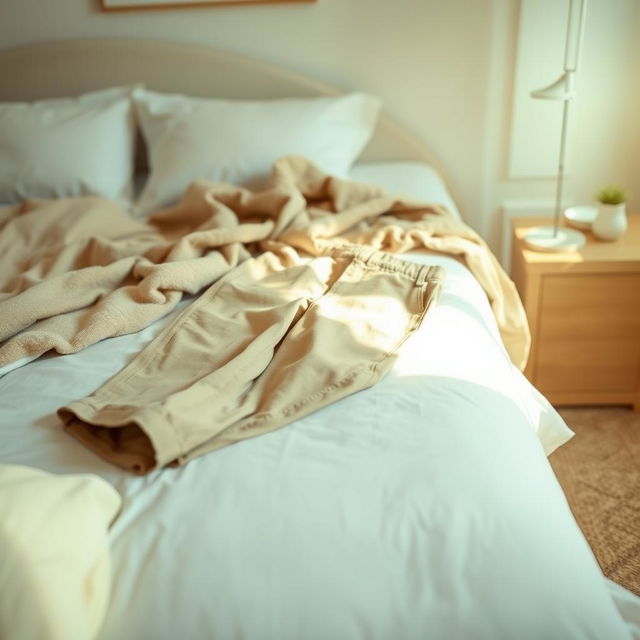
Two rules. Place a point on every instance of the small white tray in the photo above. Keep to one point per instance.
(581, 217)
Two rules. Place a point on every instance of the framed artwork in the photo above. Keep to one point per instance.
(138, 5)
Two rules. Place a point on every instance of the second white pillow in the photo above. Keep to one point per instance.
(237, 141)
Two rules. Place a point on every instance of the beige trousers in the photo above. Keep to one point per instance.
(274, 340)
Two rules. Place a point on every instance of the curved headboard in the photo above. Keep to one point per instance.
(71, 67)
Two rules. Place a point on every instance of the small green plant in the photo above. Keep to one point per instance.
(611, 194)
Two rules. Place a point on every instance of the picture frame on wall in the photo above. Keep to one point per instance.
(139, 5)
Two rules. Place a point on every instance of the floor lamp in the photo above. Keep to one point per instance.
(557, 238)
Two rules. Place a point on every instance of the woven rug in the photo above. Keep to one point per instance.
(599, 470)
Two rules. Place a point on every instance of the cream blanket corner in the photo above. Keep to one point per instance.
(76, 271)
(55, 564)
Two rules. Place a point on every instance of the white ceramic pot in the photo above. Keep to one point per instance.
(611, 221)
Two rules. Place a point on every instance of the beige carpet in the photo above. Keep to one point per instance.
(599, 470)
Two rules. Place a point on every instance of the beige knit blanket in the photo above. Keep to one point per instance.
(76, 271)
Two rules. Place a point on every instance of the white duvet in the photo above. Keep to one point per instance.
(423, 507)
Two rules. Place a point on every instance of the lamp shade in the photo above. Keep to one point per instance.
(561, 89)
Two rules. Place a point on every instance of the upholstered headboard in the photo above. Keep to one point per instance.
(71, 67)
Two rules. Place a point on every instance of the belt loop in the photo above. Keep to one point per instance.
(427, 273)
(367, 254)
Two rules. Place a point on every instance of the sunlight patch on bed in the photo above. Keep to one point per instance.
(374, 321)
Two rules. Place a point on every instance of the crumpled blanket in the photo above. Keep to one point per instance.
(75, 271)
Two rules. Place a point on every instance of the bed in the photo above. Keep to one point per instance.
(421, 506)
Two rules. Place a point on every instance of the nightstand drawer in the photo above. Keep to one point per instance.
(588, 365)
(589, 333)
(590, 306)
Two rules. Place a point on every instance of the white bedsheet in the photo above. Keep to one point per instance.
(423, 507)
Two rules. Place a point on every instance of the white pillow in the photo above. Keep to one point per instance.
(68, 146)
(237, 141)
(415, 180)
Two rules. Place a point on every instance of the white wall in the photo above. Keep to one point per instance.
(443, 68)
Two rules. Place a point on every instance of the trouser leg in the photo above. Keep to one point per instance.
(265, 345)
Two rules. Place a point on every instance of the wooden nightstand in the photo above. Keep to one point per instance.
(584, 312)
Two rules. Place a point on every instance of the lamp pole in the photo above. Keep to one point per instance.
(563, 146)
